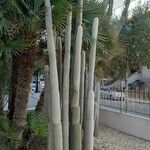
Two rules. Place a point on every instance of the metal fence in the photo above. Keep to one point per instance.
(134, 103)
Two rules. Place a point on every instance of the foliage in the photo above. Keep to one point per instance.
(116, 68)
(6, 134)
(135, 36)
(60, 11)
(18, 30)
(37, 123)
(21, 23)
(107, 40)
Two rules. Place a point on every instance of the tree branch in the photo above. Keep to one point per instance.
(123, 15)
(110, 9)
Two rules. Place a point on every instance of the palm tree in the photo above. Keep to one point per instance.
(8, 46)
(25, 25)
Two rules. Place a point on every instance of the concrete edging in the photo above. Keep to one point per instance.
(127, 123)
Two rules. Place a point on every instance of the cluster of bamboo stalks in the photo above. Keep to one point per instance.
(72, 109)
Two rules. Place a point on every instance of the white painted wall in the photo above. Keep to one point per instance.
(145, 74)
(129, 124)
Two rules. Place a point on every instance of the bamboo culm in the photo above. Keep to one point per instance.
(97, 99)
(82, 86)
(90, 84)
(47, 107)
(66, 77)
(59, 65)
(54, 96)
(75, 128)
(89, 128)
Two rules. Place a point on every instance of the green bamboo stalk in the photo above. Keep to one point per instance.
(66, 76)
(79, 13)
(93, 54)
(90, 82)
(97, 99)
(82, 86)
(59, 65)
(78, 22)
(89, 128)
(54, 87)
(75, 139)
(48, 108)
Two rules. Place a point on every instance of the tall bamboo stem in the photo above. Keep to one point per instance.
(89, 128)
(47, 107)
(90, 81)
(75, 143)
(93, 54)
(97, 99)
(82, 86)
(55, 97)
(66, 74)
(59, 65)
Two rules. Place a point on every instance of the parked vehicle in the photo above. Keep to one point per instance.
(33, 87)
(108, 93)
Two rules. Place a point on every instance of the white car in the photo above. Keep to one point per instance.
(108, 93)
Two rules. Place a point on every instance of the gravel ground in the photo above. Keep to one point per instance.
(110, 139)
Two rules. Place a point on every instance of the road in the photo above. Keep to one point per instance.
(32, 101)
(140, 108)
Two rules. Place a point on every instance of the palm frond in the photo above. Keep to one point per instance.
(4, 26)
(106, 40)
(11, 47)
(37, 122)
(60, 11)
(6, 133)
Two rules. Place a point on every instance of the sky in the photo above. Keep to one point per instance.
(118, 6)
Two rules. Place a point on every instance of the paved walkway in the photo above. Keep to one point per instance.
(110, 139)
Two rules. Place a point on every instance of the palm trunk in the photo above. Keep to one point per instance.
(54, 86)
(66, 76)
(23, 89)
(1, 98)
(40, 105)
(14, 85)
(29, 136)
(37, 81)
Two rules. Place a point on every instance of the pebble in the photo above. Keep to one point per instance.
(110, 139)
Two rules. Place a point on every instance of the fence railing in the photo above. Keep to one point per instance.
(138, 94)
(137, 102)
